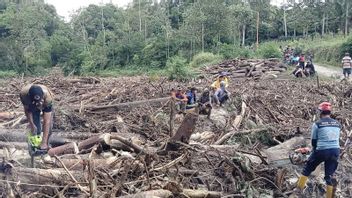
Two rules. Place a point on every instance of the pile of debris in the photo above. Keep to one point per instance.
(255, 68)
(123, 139)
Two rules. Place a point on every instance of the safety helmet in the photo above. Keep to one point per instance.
(325, 106)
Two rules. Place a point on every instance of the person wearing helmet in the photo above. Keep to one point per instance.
(221, 95)
(346, 65)
(222, 77)
(326, 148)
(37, 99)
(204, 103)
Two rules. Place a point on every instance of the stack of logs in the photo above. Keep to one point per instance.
(239, 68)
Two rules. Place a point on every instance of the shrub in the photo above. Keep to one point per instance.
(7, 74)
(346, 47)
(204, 59)
(177, 69)
(269, 51)
(231, 51)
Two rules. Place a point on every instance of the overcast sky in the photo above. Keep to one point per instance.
(66, 7)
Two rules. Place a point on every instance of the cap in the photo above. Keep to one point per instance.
(35, 93)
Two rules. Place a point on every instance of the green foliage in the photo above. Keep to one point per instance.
(177, 69)
(346, 47)
(8, 74)
(204, 59)
(269, 51)
(229, 51)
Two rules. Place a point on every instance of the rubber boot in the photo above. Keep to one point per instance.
(302, 182)
(329, 191)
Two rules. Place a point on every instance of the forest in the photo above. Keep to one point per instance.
(149, 34)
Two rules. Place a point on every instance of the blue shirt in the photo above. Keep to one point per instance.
(191, 97)
(327, 133)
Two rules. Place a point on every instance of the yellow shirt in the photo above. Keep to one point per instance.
(216, 84)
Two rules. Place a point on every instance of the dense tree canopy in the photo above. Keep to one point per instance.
(148, 32)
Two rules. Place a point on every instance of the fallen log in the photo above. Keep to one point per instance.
(17, 145)
(201, 193)
(69, 148)
(135, 147)
(279, 155)
(124, 105)
(40, 176)
(152, 193)
(103, 139)
(238, 119)
(80, 164)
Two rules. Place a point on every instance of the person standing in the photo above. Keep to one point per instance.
(346, 65)
(326, 148)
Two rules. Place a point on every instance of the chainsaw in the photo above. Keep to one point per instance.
(34, 150)
(300, 156)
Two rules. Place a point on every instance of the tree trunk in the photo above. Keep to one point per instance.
(257, 30)
(202, 37)
(346, 23)
(323, 26)
(139, 14)
(184, 132)
(243, 34)
(285, 22)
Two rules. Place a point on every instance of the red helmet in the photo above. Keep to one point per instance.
(325, 106)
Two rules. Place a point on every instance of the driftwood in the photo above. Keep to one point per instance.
(125, 105)
(201, 193)
(80, 164)
(152, 193)
(17, 145)
(40, 176)
(237, 133)
(238, 119)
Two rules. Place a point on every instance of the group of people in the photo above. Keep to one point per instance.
(216, 94)
(304, 64)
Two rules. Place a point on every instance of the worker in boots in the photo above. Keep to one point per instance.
(326, 148)
(37, 99)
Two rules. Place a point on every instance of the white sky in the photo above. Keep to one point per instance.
(66, 7)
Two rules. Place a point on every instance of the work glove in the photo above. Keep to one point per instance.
(34, 140)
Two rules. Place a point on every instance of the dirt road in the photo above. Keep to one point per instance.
(329, 71)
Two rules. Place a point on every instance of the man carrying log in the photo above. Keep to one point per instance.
(326, 148)
(36, 99)
(180, 99)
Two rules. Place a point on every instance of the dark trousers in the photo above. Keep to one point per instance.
(330, 159)
(36, 113)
